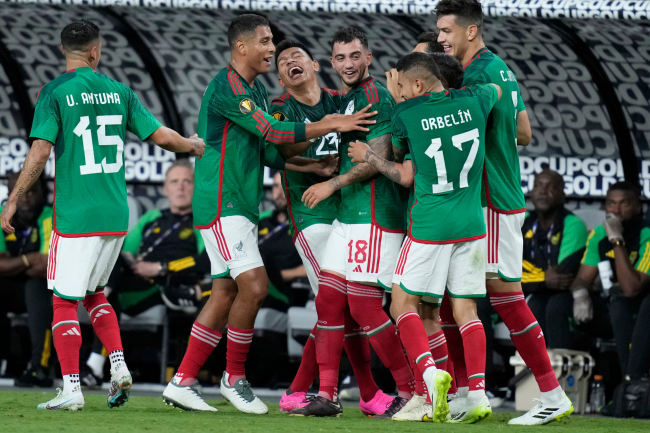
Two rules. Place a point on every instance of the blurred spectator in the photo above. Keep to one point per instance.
(162, 261)
(619, 252)
(23, 273)
(554, 243)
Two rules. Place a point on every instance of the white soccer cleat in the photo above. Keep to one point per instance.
(474, 411)
(185, 397)
(64, 401)
(241, 396)
(456, 404)
(438, 382)
(544, 413)
(417, 409)
(120, 389)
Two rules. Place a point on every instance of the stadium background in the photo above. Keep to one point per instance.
(585, 82)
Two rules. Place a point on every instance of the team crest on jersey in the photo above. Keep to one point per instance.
(185, 233)
(350, 108)
(278, 115)
(556, 239)
(246, 106)
(239, 250)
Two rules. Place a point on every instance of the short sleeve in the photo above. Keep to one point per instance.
(384, 115)
(140, 121)
(399, 135)
(520, 102)
(643, 263)
(574, 237)
(47, 119)
(489, 96)
(592, 256)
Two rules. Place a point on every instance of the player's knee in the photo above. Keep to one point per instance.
(58, 302)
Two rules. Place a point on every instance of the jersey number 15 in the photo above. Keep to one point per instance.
(82, 130)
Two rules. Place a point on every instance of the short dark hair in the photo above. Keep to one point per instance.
(349, 34)
(450, 69)
(556, 177)
(430, 38)
(418, 61)
(246, 23)
(467, 12)
(626, 186)
(290, 43)
(78, 34)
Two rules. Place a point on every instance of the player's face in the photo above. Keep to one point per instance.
(295, 68)
(179, 186)
(452, 37)
(351, 61)
(547, 193)
(259, 49)
(622, 204)
(407, 86)
(278, 193)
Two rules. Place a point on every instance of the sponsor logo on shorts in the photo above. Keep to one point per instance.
(239, 250)
(357, 269)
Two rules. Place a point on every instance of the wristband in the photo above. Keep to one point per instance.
(25, 261)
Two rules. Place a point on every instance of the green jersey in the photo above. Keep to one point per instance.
(378, 201)
(235, 125)
(501, 177)
(286, 107)
(86, 115)
(445, 135)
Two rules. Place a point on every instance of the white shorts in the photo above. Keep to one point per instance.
(364, 253)
(504, 245)
(426, 269)
(231, 243)
(78, 266)
(311, 243)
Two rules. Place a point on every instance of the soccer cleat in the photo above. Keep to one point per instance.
(241, 396)
(294, 400)
(474, 411)
(456, 404)
(88, 380)
(64, 401)
(180, 298)
(377, 406)
(185, 397)
(120, 387)
(320, 407)
(35, 376)
(544, 413)
(396, 405)
(417, 409)
(438, 382)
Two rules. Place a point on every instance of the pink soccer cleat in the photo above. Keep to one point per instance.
(294, 400)
(378, 405)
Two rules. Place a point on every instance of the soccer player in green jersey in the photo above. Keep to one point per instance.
(460, 23)
(236, 125)
(362, 249)
(84, 115)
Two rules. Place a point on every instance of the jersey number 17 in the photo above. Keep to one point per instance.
(434, 151)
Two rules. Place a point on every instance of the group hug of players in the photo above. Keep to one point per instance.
(427, 205)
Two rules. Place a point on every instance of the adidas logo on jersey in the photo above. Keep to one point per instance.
(357, 269)
(72, 331)
(100, 313)
(229, 205)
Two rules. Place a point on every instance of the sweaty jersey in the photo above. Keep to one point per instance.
(235, 125)
(378, 201)
(287, 108)
(86, 115)
(445, 134)
(502, 177)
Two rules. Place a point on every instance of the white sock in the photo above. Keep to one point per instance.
(96, 363)
(116, 357)
(553, 397)
(475, 394)
(71, 383)
(462, 391)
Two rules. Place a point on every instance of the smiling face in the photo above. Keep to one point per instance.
(453, 38)
(258, 49)
(351, 62)
(296, 68)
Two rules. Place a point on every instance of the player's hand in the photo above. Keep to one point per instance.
(317, 193)
(146, 269)
(357, 150)
(613, 227)
(7, 214)
(328, 165)
(352, 122)
(583, 309)
(198, 146)
(392, 86)
(556, 280)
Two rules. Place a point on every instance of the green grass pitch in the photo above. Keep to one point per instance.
(147, 414)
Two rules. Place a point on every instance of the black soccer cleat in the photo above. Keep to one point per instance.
(320, 407)
(397, 404)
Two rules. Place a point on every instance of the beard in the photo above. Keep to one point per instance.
(360, 77)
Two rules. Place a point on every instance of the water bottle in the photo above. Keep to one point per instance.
(597, 394)
(606, 274)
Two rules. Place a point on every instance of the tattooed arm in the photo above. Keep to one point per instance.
(400, 172)
(32, 169)
(359, 173)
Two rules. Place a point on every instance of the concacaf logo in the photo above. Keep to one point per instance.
(279, 116)
(246, 106)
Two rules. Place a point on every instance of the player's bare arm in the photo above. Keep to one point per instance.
(360, 172)
(172, 141)
(32, 169)
(401, 173)
(524, 132)
(325, 167)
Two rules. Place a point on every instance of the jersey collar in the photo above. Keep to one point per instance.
(241, 79)
(476, 56)
(365, 80)
(81, 69)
